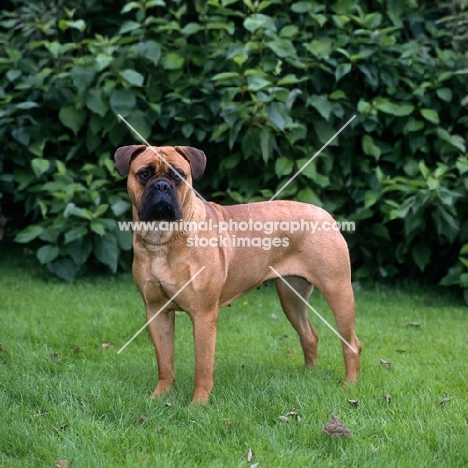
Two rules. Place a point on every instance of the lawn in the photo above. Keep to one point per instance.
(65, 397)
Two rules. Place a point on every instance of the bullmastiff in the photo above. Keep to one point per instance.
(160, 189)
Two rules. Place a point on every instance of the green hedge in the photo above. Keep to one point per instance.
(260, 86)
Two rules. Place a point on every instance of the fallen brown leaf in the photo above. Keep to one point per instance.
(107, 345)
(62, 463)
(388, 365)
(335, 429)
(285, 417)
(413, 324)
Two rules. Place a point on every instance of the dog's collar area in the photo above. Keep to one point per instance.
(178, 236)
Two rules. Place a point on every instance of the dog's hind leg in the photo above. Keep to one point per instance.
(340, 298)
(296, 312)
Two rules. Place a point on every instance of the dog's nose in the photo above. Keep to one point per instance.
(162, 186)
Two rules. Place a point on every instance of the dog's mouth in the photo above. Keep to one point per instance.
(159, 205)
(161, 211)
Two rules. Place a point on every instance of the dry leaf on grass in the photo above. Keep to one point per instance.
(335, 429)
(62, 463)
(290, 414)
(250, 455)
(413, 324)
(388, 397)
(388, 365)
(107, 345)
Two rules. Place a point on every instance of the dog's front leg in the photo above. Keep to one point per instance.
(162, 332)
(204, 334)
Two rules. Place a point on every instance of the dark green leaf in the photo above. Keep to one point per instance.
(64, 268)
(28, 234)
(122, 101)
(72, 118)
(40, 166)
(282, 47)
(283, 166)
(132, 77)
(82, 77)
(107, 253)
(151, 51)
(321, 104)
(172, 61)
(369, 147)
(445, 94)
(399, 110)
(431, 115)
(95, 102)
(341, 70)
(421, 255)
(75, 233)
(47, 254)
(266, 144)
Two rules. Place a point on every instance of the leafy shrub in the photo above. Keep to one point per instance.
(260, 86)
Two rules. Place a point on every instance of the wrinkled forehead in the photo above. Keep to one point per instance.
(161, 158)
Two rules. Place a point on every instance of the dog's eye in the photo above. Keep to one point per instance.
(177, 176)
(144, 175)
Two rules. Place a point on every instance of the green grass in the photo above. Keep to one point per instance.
(88, 406)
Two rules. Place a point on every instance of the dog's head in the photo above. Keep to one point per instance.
(156, 178)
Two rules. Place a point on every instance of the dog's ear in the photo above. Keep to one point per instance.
(195, 157)
(123, 157)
